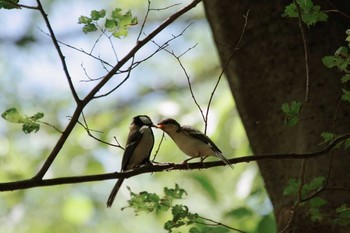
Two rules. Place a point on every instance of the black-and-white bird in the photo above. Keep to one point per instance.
(191, 141)
(137, 150)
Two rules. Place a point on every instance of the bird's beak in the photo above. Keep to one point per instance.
(160, 126)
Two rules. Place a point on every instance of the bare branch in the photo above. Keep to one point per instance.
(158, 148)
(215, 223)
(306, 54)
(88, 131)
(177, 57)
(223, 70)
(81, 104)
(60, 54)
(31, 183)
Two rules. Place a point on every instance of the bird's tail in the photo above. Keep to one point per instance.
(114, 192)
(222, 157)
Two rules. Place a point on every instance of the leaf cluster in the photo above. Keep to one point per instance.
(292, 111)
(341, 60)
(117, 24)
(310, 13)
(341, 215)
(29, 124)
(181, 215)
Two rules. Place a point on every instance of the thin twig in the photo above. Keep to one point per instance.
(324, 186)
(224, 69)
(177, 57)
(88, 131)
(60, 54)
(86, 53)
(158, 148)
(306, 54)
(52, 126)
(299, 196)
(215, 223)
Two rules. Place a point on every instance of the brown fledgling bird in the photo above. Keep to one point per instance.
(191, 141)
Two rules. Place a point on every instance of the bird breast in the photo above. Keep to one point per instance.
(191, 146)
(143, 148)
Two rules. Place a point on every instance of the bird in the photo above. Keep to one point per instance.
(191, 141)
(137, 151)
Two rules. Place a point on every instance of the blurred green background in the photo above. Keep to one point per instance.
(32, 80)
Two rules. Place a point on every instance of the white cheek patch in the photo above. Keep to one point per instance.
(146, 120)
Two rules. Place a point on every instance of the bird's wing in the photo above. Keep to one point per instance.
(200, 136)
(134, 138)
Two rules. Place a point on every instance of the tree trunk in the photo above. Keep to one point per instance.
(269, 70)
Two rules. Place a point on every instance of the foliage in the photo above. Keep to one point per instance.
(181, 216)
(341, 60)
(310, 13)
(9, 4)
(117, 24)
(307, 189)
(343, 215)
(30, 124)
(328, 137)
(314, 205)
(292, 111)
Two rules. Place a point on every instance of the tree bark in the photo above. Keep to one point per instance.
(269, 70)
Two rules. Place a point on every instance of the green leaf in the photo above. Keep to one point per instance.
(144, 201)
(176, 193)
(317, 202)
(292, 111)
(347, 39)
(179, 212)
(9, 4)
(313, 185)
(241, 212)
(330, 61)
(310, 13)
(314, 16)
(119, 23)
(110, 24)
(345, 78)
(89, 28)
(347, 144)
(84, 20)
(327, 137)
(315, 214)
(267, 224)
(305, 5)
(194, 230)
(346, 95)
(96, 15)
(12, 115)
(343, 215)
(290, 11)
(292, 187)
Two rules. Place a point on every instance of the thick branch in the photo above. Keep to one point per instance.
(31, 183)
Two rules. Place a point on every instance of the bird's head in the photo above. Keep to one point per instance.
(169, 125)
(142, 120)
